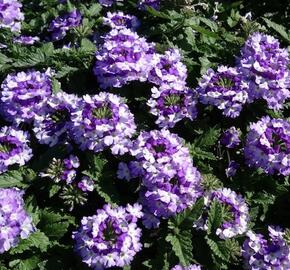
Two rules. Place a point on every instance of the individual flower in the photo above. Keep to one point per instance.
(171, 104)
(190, 267)
(268, 146)
(235, 213)
(225, 89)
(110, 237)
(143, 4)
(156, 150)
(231, 138)
(26, 40)
(103, 121)
(167, 193)
(62, 170)
(107, 3)
(232, 168)
(24, 94)
(62, 24)
(119, 20)
(266, 64)
(11, 15)
(15, 223)
(167, 68)
(261, 253)
(124, 57)
(86, 184)
(52, 124)
(14, 148)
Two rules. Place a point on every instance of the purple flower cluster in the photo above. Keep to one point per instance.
(24, 94)
(59, 26)
(119, 20)
(172, 104)
(26, 40)
(15, 223)
(86, 184)
(231, 138)
(62, 170)
(14, 148)
(102, 121)
(225, 89)
(124, 57)
(110, 237)
(235, 208)
(268, 146)
(53, 122)
(11, 15)
(170, 182)
(267, 66)
(190, 267)
(143, 4)
(260, 253)
(167, 68)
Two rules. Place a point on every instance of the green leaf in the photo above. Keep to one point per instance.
(215, 216)
(182, 246)
(208, 138)
(198, 154)
(26, 264)
(36, 240)
(278, 28)
(185, 219)
(17, 178)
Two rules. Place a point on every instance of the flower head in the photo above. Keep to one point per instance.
(110, 237)
(225, 89)
(268, 146)
(171, 104)
(52, 124)
(26, 40)
(235, 210)
(231, 138)
(142, 4)
(103, 121)
(24, 94)
(119, 20)
(15, 223)
(124, 57)
(14, 147)
(260, 253)
(11, 15)
(59, 26)
(267, 65)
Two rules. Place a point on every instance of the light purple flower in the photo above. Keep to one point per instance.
(24, 94)
(268, 146)
(124, 57)
(86, 184)
(103, 121)
(119, 20)
(267, 65)
(167, 68)
(14, 148)
(267, 254)
(232, 168)
(52, 123)
(110, 237)
(190, 267)
(62, 170)
(26, 40)
(11, 15)
(62, 24)
(171, 104)
(15, 223)
(231, 138)
(107, 3)
(142, 4)
(225, 89)
(238, 211)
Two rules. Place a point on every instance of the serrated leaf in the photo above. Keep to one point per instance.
(182, 246)
(17, 178)
(215, 216)
(198, 154)
(208, 138)
(280, 29)
(36, 240)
